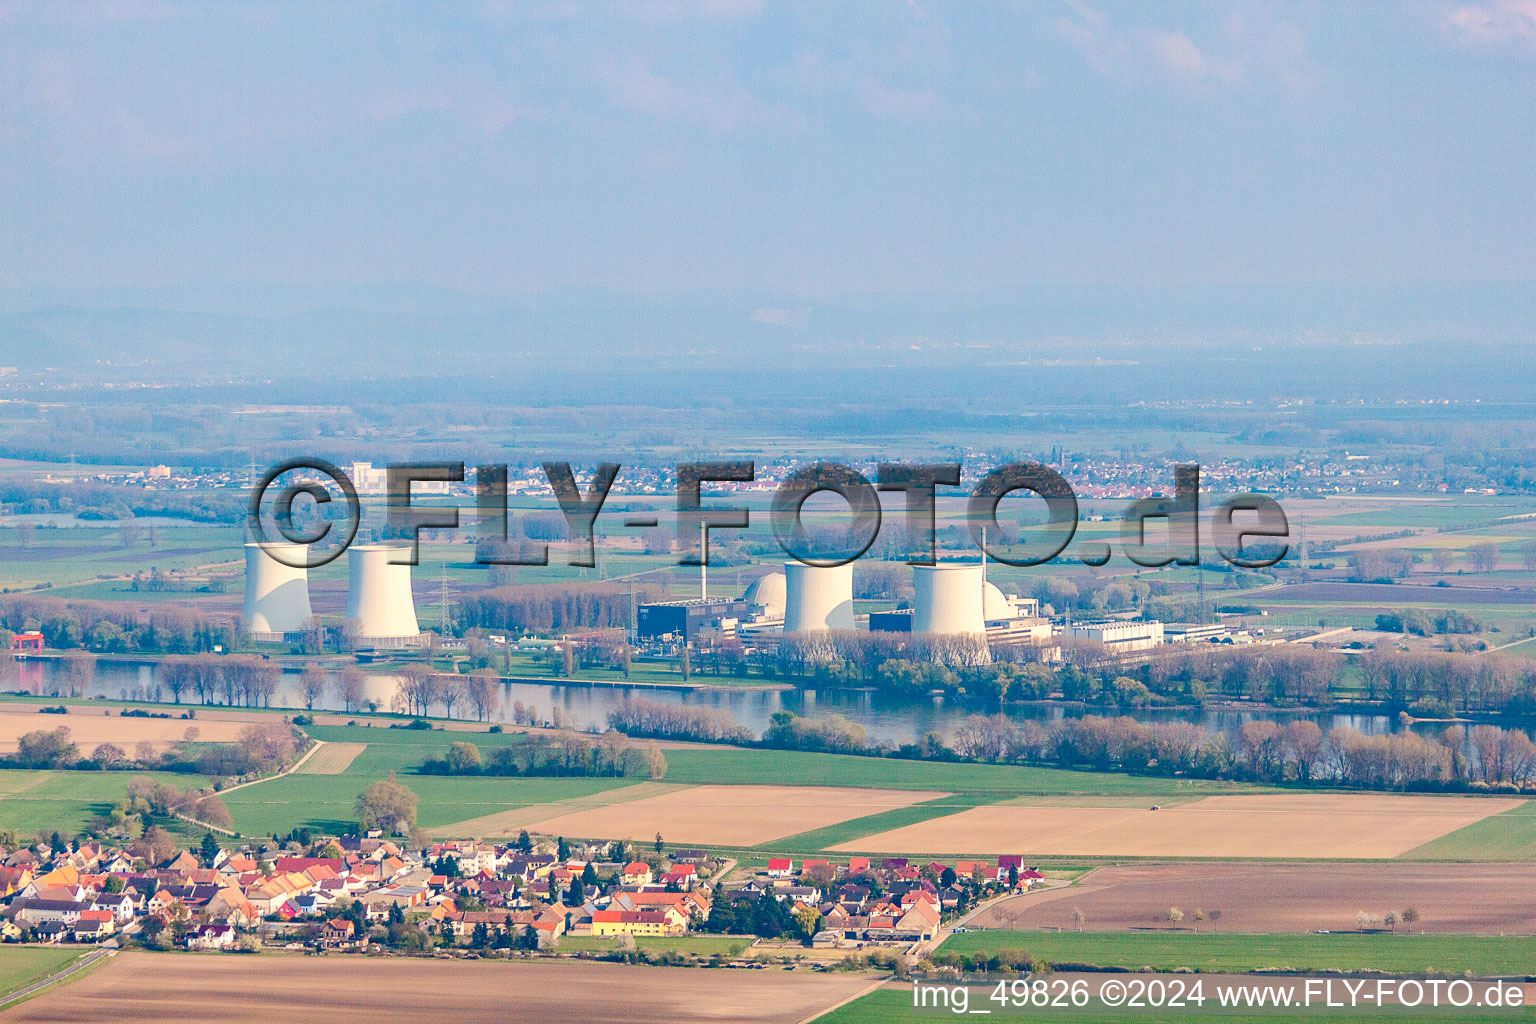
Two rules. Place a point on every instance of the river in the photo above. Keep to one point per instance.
(886, 718)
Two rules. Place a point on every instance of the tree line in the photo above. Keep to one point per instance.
(258, 749)
(611, 755)
(1456, 758)
(546, 607)
(111, 627)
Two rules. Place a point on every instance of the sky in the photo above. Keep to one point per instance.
(671, 147)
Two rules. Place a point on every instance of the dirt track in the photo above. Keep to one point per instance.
(1487, 899)
(217, 988)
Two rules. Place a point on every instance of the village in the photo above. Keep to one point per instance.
(369, 893)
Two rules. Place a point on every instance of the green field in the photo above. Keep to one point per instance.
(20, 966)
(873, 824)
(690, 945)
(891, 1004)
(799, 768)
(1396, 954)
(1502, 837)
(70, 555)
(48, 801)
(326, 802)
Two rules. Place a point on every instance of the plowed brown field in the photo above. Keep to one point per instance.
(1314, 825)
(730, 815)
(160, 988)
(88, 727)
(1484, 899)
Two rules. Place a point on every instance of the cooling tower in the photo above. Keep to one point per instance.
(948, 599)
(768, 593)
(379, 603)
(276, 595)
(817, 598)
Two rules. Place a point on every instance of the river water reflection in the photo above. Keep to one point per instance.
(886, 718)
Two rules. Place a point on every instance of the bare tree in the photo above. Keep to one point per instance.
(313, 682)
(79, 669)
(351, 687)
(418, 686)
(483, 694)
(1078, 917)
(1484, 557)
(450, 690)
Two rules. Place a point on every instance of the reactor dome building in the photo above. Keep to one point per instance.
(276, 594)
(817, 598)
(768, 593)
(380, 609)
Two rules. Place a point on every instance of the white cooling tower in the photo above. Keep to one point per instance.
(379, 603)
(768, 593)
(948, 599)
(817, 597)
(276, 595)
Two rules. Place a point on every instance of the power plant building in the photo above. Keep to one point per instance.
(1120, 637)
(684, 620)
(276, 594)
(817, 598)
(380, 609)
(769, 594)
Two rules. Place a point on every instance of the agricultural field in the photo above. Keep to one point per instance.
(89, 726)
(1499, 837)
(331, 759)
(800, 768)
(327, 802)
(507, 824)
(1468, 899)
(894, 1003)
(1313, 825)
(48, 801)
(82, 554)
(21, 966)
(216, 989)
(688, 945)
(730, 815)
(1483, 955)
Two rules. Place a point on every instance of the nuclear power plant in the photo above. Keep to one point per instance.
(276, 595)
(768, 594)
(817, 598)
(380, 609)
(949, 599)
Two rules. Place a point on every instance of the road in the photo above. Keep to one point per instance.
(926, 947)
(314, 746)
(78, 965)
